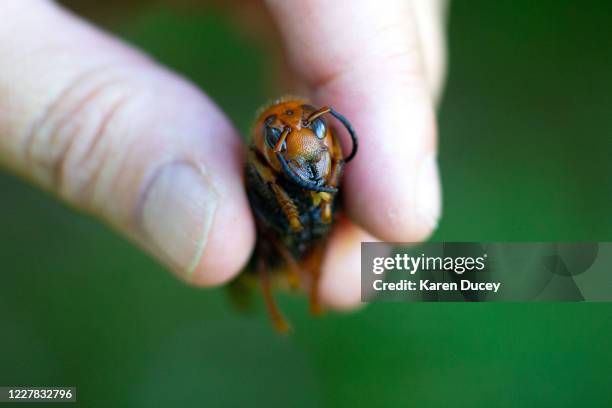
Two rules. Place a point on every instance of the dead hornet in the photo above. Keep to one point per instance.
(293, 173)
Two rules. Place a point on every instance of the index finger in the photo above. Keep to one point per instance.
(365, 60)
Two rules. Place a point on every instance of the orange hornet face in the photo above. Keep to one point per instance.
(304, 145)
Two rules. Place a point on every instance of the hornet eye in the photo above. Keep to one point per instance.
(272, 134)
(318, 127)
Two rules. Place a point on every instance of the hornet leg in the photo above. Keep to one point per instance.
(280, 324)
(293, 268)
(315, 261)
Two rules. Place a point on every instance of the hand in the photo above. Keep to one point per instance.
(114, 134)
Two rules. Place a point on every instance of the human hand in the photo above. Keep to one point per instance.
(116, 135)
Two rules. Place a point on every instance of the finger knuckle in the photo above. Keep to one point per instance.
(71, 141)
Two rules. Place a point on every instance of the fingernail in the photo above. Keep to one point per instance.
(177, 214)
(428, 191)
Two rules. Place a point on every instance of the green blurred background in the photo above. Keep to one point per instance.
(525, 131)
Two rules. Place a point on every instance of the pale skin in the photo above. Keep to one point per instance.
(112, 133)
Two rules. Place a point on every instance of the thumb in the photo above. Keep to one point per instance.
(112, 133)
